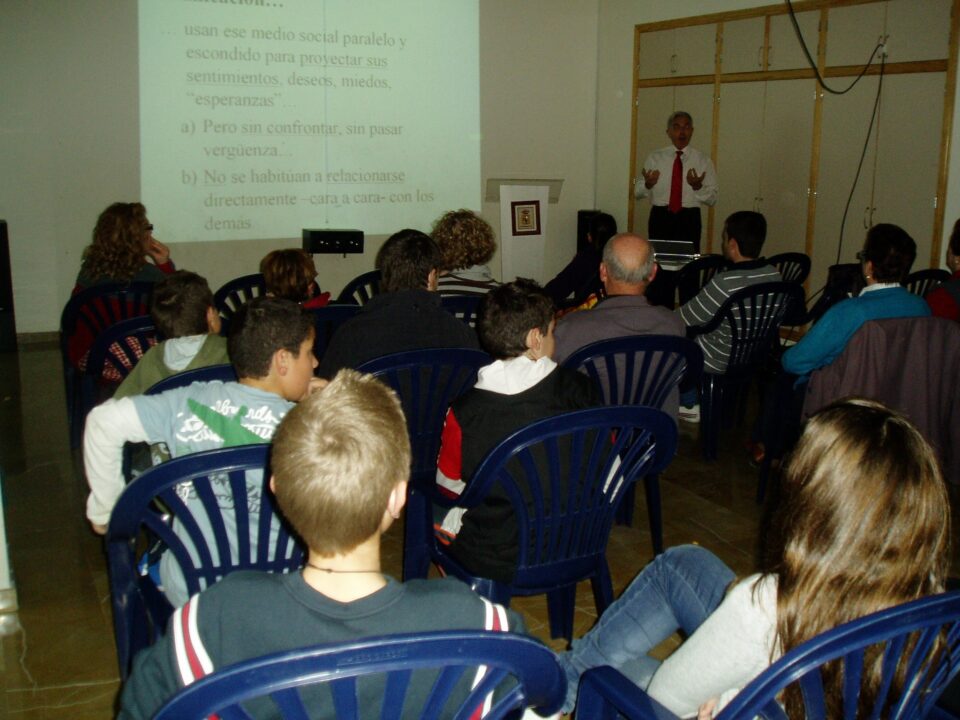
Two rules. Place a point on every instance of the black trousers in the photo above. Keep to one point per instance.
(684, 225)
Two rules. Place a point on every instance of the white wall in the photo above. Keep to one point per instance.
(69, 140)
(615, 74)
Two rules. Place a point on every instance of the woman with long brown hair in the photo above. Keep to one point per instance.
(122, 239)
(865, 526)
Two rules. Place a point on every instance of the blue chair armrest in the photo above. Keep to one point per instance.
(606, 694)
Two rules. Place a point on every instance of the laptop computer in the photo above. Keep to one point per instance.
(673, 252)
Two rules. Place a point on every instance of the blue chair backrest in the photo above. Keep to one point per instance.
(693, 276)
(326, 321)
(639, 369)
(751, 319)
(427, 675)
(904, 635)
(139, 612)
(113, 355)
(793, 266)
(564, 477)
(84, 317)
(361, 289)
(239, 291)
(462, 307)
(923, 281)
(224, 372)
(427, 381)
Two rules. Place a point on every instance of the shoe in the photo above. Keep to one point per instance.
(690, 414)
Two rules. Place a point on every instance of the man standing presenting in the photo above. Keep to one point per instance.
(679, 180)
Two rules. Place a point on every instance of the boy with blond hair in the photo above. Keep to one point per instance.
(340, 461)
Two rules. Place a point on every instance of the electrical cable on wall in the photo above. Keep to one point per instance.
(879, 48)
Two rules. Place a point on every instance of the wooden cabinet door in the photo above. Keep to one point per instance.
(905, 187)
(918, 30)
(678, 51)
(743, 42)
(785, 51)
(740, 148)
(843, 132)
(853, 32)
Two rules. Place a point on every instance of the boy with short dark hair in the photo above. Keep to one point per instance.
(521, 386)
(340, 462)
(181, 306)
(271, 345)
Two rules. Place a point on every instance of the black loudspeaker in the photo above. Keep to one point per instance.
(332, 241)
(583, 226)
(8, 326)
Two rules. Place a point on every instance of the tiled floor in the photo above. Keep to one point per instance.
(58, 659)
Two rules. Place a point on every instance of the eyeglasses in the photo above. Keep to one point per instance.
(861, 256)
(148, 228)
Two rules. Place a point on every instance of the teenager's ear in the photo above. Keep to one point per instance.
(273, 485)
(532, 340)
(432, 280)
(214, 322)
(398, 498)
(280, 361)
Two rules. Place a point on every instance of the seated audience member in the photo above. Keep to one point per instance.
(466, 245)
(406, 315)
(522, 385)
(944, 301)
(887, 256)
(580, 277)
(744, 233)
(290, 274)
(182, 310)
(864, 526)
(340, 462)
(271, 347)
(627, 269)
(122, 238)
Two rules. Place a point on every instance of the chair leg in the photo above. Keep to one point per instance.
(560, 608)
(602, 587)
(651, 484)
(624, 514)
(711, 415)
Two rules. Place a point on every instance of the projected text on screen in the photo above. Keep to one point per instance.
(261, 118)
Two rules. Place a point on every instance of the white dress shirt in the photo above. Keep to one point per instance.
(691, 158)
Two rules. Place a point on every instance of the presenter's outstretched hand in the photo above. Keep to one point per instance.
(650, 177)
(695, 181)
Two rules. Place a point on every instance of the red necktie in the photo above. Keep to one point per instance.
(676, 185)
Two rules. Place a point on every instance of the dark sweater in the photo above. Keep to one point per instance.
(487, 542)
(394, 322)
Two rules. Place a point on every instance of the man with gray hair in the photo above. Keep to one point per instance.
(625, 271)
(679, 180)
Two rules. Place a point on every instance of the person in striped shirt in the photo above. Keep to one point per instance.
(744, 233)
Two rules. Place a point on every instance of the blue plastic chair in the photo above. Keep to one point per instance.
(119, 348)
(326, 321)
(361, 289)
(84, 317)
(224, 372)
(462, 307)
(232, 295)
(564, 477)
(693, 276)
(640, 370)
(427, 381)
(923, 281)
(793, 266)
(140, 611)
(426, 675)
(751, 318)
(605, 694)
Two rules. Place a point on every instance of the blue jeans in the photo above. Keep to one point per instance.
(677, 591)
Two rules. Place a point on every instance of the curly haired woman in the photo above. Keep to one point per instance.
(466, 246)
(122, 239)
